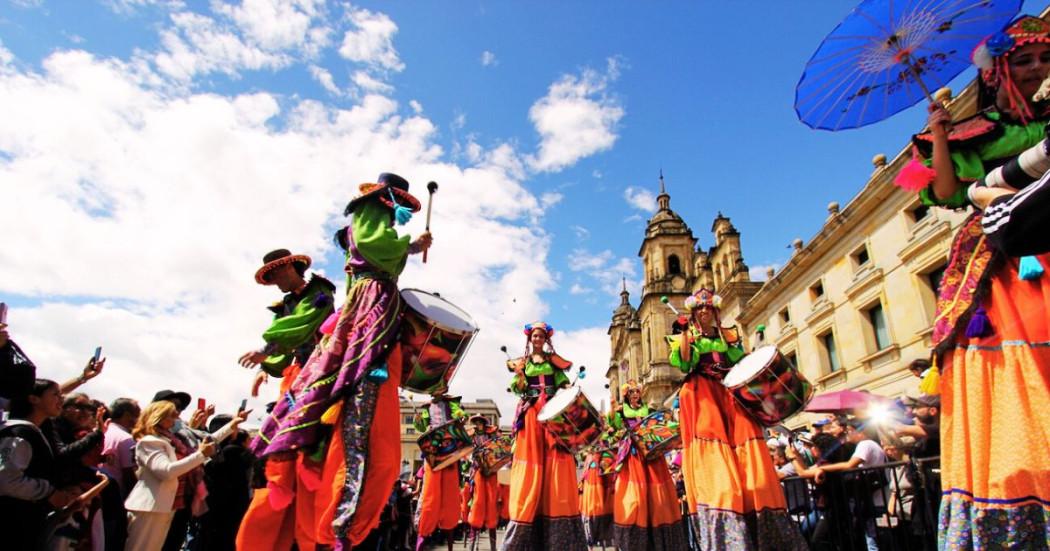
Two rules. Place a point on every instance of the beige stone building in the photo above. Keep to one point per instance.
(673, 267)
(410, 450)
(852, 307)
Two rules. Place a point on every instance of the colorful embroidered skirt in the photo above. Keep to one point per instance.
(646, 512)
(995, 420)
(544, 495)
(596, 506)
(734, 496)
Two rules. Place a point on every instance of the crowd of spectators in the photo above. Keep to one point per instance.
(79, 474)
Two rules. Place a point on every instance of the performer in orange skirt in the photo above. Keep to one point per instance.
(596, 500)
(734, 495)
(992, 327)
(544, 494)
(645, 505)
(484, 500)
(440, 504)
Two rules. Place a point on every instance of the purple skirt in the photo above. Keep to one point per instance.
(368, 324)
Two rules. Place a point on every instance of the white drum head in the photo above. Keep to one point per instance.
(439, 310)
(558, 403)
(749, 366)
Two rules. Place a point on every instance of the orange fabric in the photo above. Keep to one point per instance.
(995, 421)
(644, 494)
(465, 494)
(725, 462)
(384, 460)
(504, 501)
(439, 506)
(596, 499)
(484, 509)
(264, 527)
(542, 476)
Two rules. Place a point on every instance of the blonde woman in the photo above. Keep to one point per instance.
(159, 468)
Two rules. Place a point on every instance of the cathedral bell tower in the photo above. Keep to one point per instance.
(669, 270)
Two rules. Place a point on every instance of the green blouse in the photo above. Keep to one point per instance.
(537, 369)
(287, 333)
(701, 345)
(616, 417)
(377, 241)
(969, 161)
(422, 419)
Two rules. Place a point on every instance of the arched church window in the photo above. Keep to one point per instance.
(674, 266)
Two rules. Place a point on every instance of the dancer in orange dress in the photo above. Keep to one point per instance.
(484, 496)
(440, 504)
(645, 505)
(734, 495)
(596, 499)
(544, 494)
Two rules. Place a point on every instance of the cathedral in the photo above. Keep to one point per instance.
(674, 266)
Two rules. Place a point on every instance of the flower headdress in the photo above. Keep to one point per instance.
(628, 387)
(990, 57)
(530, 327)
(703, 297)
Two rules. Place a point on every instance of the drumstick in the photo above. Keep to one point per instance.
(431, 187)
(667, 301)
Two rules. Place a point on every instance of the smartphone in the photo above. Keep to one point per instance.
(201, 404)
(3, 313)
(98, 353)
(244, 405)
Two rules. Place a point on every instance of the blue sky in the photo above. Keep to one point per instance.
(540, 122)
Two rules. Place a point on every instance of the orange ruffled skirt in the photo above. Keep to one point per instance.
(995, 422)
(646, 513)
(544, 495)
(733, 493)
(439, 506)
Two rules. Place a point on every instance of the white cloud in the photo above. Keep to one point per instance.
(325, 79)
(488, 59)
(588, 347)
(576, 118)
(633, 218)
(144, 210)
(417, 107)
(280, 24)
(596, 174)
(6, 57)
(550, 198)
(28, 3)
(640, 198)
(371, 41)
(578, 289)
(605, 270)
(758, 273)
(581, 232)
(198, 44)
(369, 84)
(460, 121)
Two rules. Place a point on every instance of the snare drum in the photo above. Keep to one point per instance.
(435, 335)
(656, 434)
(445, 444)
(768, 386)
(494, 454)
(570, 418)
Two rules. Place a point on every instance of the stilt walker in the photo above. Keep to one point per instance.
(282, 513)
(439, 506)
(343, 407)
(484, 502)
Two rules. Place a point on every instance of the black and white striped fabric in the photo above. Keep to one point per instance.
(1019, 224)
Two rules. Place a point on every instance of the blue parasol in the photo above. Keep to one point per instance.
(886, 55)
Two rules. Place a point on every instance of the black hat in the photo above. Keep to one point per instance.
(387, 182)
(173, 397)
(280, 257)
(923, 400)
(219, 421)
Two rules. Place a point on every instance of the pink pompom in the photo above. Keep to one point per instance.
(914, 176)
(329, 324)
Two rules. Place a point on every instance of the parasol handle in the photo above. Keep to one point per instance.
(906, 60)
(431, 188)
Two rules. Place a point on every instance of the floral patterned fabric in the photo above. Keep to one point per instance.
(965, 527)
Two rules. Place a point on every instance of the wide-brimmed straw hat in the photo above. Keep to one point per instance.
(388, 183)
(278, 258)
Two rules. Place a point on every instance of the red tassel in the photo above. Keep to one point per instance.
(914, 177)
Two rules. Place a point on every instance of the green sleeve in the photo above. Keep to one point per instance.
(615, 420)
(517, 386)
(457, 410)
(968, 168)
(377, 240)
(560, 378)
(675, 357)
(422, 420)
(289, 332)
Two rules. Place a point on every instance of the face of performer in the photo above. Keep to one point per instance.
(537, 339)
(1028, 66)
(286, 278)
(634, 397)
(705, 316)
